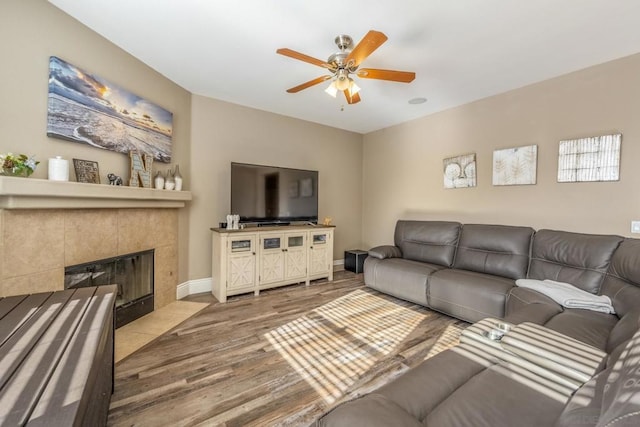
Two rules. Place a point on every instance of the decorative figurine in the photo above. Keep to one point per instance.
(140, 170)
(159, 181)
(114, 179)
(178, 178)
(170, 182)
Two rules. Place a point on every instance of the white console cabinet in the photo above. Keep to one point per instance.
(253, 259)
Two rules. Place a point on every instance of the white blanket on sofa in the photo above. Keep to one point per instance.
(568, 295)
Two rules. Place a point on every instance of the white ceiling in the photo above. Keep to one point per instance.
(460, 50)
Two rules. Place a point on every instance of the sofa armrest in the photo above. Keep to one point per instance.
(385, 251)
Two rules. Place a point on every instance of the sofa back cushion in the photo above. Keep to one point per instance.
(622, 282)
(579, 259)
(500, 250)
(428, 241)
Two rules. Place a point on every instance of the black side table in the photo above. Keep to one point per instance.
(354, 260)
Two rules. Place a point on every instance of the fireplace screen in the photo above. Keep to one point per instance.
(132, 273)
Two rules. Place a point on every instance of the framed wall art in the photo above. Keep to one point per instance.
(460, 171)
(515, 166)
(595, 158)
(86, 171)
(88, 109)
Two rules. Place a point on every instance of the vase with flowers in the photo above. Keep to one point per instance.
(17, 165)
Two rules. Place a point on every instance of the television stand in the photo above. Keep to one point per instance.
(255, 259)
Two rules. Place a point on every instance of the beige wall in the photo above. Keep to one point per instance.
(223, 132)
(33, 30)
(402, 165)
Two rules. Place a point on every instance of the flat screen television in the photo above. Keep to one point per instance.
(274, 195)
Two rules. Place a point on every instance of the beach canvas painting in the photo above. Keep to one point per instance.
(88, 109)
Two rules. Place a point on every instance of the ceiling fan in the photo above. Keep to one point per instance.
(346, 62)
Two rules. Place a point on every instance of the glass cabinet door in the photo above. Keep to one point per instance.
(295, 241)
(271, 243)
(319, 239)
(241, 245)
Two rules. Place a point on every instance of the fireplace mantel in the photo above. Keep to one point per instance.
(32, 193)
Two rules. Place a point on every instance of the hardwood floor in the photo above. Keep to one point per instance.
(280, 359)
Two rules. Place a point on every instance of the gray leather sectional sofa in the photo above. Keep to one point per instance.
(469, 272)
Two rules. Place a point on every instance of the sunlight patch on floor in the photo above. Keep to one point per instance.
(449, 337)
(333, 345)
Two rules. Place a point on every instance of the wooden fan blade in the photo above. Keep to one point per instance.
(392, 75)
(367, 45)
(308, 84)
(302, 57)
(351, 99)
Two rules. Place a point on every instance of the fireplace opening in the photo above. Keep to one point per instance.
(132, 273)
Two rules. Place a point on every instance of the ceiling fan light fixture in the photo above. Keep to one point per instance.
(331, 89)
(342, 79)
(347, 61)
(342, 84)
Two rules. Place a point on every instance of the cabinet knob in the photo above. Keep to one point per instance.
(253, 253)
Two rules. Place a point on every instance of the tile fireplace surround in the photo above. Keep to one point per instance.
(46, 226)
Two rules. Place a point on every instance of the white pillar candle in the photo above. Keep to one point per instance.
(58, 169)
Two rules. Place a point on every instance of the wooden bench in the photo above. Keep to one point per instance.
(56, 357)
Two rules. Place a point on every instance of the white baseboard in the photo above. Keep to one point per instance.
(196, 286)
(338, 262)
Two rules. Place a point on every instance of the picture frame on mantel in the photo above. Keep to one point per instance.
(86, 171)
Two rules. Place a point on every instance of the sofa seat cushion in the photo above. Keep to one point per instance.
(420, 390)
(468, 295)
(527, 305)
(399, 277)
(534, 313)
(587, 326)
(499, 397)
(415, 393)
(372, 410)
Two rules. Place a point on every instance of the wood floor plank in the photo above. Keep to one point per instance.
(280, 359)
